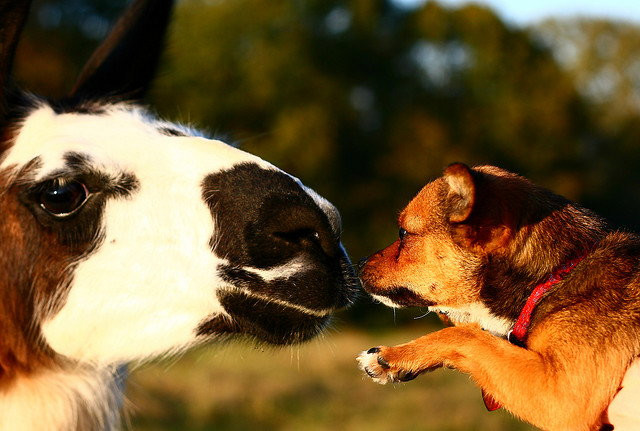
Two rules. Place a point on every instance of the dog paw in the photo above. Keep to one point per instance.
(381, 370)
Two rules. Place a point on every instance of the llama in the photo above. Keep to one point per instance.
(125, 237)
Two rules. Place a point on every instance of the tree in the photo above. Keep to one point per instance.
(367, 101)
(603, 60)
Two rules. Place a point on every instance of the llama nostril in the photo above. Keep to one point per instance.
(304, 236)
(309, 239)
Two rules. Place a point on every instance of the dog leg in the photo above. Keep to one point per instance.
(553, 389)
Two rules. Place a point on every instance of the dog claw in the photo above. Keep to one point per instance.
(376, 367)
(383, 363)
(370, 373)
(405, 376)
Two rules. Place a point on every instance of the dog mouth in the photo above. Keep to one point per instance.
(402, 297)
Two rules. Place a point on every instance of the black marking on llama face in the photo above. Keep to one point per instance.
(265, 220)
(255, 209)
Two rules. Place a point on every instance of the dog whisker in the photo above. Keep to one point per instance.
(423, 315)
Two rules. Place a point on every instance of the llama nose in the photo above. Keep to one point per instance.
(305, 228)
(306, 237)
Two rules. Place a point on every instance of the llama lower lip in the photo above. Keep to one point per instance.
(267, 321)
(219, 325)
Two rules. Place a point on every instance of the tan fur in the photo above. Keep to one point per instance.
(492, 252)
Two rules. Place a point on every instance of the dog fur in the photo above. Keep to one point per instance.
(473, 244)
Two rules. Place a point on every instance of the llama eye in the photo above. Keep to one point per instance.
(62, 199)
(402, 233)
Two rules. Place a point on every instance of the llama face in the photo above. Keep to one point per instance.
(158, 238)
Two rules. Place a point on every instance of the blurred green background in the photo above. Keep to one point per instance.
(365, 101)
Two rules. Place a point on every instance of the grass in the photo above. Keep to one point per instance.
(317, 386)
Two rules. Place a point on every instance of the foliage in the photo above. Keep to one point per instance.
(366, 101)
(603, 60)
(59, 37)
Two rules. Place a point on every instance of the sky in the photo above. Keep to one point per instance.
(523, 12)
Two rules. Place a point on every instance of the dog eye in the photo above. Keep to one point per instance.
(402, 233)
(63, 198)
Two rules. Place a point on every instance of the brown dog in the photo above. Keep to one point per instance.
(479, 246)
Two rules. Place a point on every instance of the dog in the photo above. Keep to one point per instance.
(544, 296)
(126, 237)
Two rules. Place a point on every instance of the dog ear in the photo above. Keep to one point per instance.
(124, 64)
(461, 192)
(13, 14)
(489, 230)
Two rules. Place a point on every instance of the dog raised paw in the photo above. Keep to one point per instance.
(374, 364)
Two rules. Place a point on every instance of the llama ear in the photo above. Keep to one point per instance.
(461, 192)
(13, 14)
(124, 64)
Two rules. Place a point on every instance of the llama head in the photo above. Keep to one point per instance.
(126, 237)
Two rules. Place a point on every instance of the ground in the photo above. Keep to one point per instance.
(238, 386)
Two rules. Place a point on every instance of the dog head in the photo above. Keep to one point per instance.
(434, 261)
(472, 243)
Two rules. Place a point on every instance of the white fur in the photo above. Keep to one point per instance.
(369, 361)
(293, 267)
(124, 138)
(477, 313)
(152, 281)
(56, 400)
(386, 301)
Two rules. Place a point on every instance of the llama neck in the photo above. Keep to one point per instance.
(64, 399)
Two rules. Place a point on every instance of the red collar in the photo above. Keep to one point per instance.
(518, 334)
